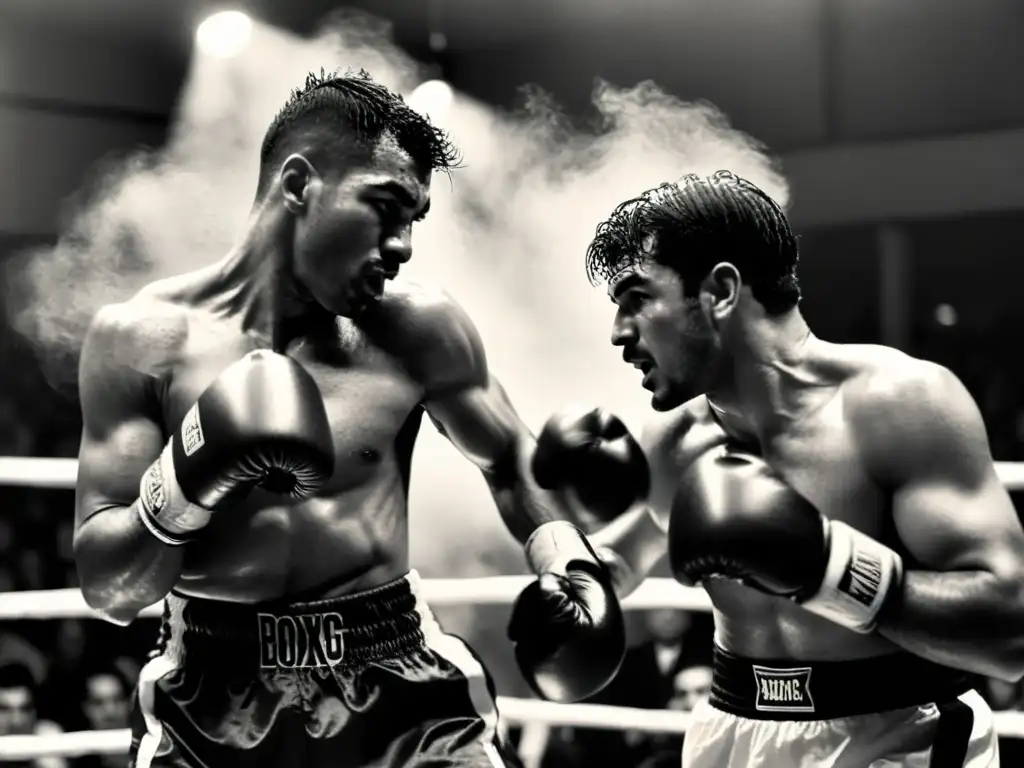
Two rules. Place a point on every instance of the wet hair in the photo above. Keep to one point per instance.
(347, 116)
(696, 223)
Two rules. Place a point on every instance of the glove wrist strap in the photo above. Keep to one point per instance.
(553, 546)
(162, 506)
(860, 575)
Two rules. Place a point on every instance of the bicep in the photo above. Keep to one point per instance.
(462, 397)
(120, 432)
(479, 420)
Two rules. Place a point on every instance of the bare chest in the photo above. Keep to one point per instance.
(367, 394)
(820, 460)
(817, 457)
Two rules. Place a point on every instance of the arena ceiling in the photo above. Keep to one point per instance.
(795, 73)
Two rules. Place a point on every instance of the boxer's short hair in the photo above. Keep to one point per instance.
(695, 223)
(347, 115)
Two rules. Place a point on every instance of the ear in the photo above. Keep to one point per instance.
(720, 292)
(299, 181)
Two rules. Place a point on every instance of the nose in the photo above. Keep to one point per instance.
(397, 246)
(623, 330)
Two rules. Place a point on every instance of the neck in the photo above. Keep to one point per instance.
(257, 284)
(767, 373)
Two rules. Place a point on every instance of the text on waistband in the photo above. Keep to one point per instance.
(783, 690)
(304, 641)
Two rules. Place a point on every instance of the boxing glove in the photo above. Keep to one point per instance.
(261, 423)
(733, 517)
(567, 626)
(593, 454)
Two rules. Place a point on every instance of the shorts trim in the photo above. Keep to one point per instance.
(155, 670)
(453, 650)
(953, 736)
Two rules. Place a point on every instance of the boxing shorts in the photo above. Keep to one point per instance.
(368, 679)
(893, 711)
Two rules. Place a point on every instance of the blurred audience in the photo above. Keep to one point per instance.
(19, 714)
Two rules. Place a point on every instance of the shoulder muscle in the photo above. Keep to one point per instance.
(915, 415)
(128, 346)
(443, 349)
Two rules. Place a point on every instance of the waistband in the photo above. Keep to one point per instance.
(385, 622)
(793, 690)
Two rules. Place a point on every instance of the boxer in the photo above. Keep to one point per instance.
(248, 433)
(838, 502)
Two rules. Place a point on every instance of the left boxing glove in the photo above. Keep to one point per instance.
(592, 453)
(567, 626)
(734, 517)
(262, 422)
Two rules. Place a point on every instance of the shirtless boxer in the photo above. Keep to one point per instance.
(838, 502)
(248, 433)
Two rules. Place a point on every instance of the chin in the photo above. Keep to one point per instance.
(661, 404)
(666, 400)
(342, 306)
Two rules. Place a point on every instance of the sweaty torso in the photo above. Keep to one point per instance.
(353, 534)
(818, 456)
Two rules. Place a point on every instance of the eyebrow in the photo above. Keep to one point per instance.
(403, 195)
(631, 281)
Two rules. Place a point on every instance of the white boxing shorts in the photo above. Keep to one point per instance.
(893, 711)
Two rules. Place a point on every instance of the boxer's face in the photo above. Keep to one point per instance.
(662, 333)
(353, 230)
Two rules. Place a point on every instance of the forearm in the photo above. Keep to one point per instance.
(524, 506)
(631, 545)
(122, 567)
(966, 619)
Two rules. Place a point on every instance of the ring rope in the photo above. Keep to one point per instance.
(652, 593)
(513, 711)
(62, 473)
(488, 590)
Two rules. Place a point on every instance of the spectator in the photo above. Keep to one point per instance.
(18, 716)
(104, 704)
(690, 687)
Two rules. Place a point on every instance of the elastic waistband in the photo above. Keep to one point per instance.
(794, 690)
(351, 630)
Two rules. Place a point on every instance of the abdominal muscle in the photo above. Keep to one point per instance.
(334, 544)
(758, 626)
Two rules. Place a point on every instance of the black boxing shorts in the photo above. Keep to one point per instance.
(362, 680)
(893, 710)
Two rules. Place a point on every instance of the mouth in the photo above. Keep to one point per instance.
(646, 367)
(642, 365)
(374, 281)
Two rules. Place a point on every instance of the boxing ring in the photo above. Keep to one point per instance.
(497, 590)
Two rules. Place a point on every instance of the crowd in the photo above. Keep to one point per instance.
(69, 675)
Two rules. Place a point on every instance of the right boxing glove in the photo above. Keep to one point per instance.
(262, 422)
(567, 626)
(592, 453)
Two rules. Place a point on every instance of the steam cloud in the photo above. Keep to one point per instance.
(506, 236)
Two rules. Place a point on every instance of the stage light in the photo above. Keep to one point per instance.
(945, 315)
(224, 34)
(432, 98)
